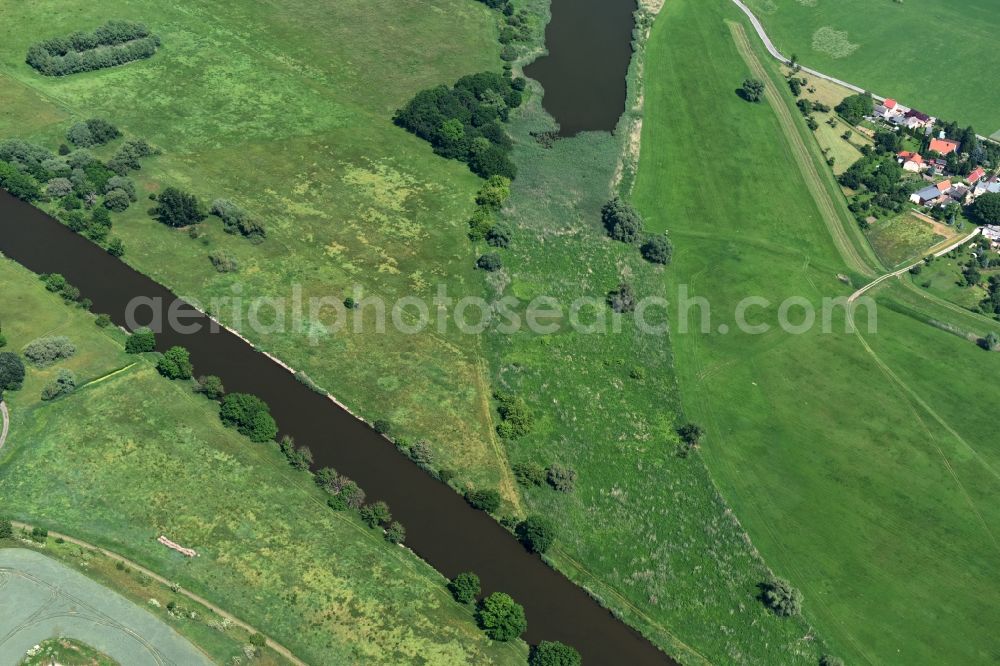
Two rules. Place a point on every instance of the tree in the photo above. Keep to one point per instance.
(176, 208)
(779, 595)
(501, 617)
(690, 434)
(494, 193)
(211, 387)
(11, 372)
(830, 660)
(175, 364)
(116, 246)
(561, 477)
(490, 262)
(657, 249)
(498, 235)
(6, 529)
(19, 184)
(375, 514)
(485, 499)
(258, 640)
(554, 653)
(249, 415)
(142, 340)
(621, 221)
(752, 90)
(622, 299)
(117, 200)
(987, 208)
(537, 533)
(991, 342)
(465, 587)
(395, 533)
(854, 108)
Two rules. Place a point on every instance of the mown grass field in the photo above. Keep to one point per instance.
(857, 464)
(903, 50)
(286, 109)
(132, 456)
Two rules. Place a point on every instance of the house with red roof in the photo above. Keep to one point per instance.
(944, 146)
(974, 177)
(913, 162)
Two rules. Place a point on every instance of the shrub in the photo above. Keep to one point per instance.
(529, 474)
(11, 372)
(175, 364)
(127, 157)
(830, 660)
(516, 419)
(223, 261)
(116, 246)
(536, 533)
(142, 340)
(58, 187)
(211, 387)
(561, 478)
(779, 595)
(622, 299)
(103, 320)
(249, 415)
(395, 533)
(64, 384)
(114, 43)
(375, 514)
(236, 220)
(6, 529)
(485, 499)
(93, 132)
(480, 223)
(690, 434)
(494, 193)
(299, 457)
(44, 351)
(382, 426)
(176, 208)
(18, 183)
(422, 454)
(621, 221)
(465, 587)
(657, 250)
(553, 653)
(501, 617)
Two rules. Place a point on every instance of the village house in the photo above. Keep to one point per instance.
(912, 162)
(985, 185)
(992, 233)
(890, 110)
(976, 175)
(914, 119)
(943, 146)
(935, 194)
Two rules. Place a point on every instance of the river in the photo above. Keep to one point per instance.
(589, 44)
(440, 526)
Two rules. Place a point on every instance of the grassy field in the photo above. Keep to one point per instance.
(898, 49)
(943, 278)
(902, 238)
(852, 461)
(286, 108)
(68, 653)
(132, 456)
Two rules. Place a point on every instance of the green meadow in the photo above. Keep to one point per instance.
(905, 50)
(902, 238)
(130, 456)
(286, 109)
(856, 462)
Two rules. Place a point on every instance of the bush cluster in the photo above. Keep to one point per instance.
(114, 43)
(63, 384)
(49, 349)
(250, 415)
(92, 132)
(515, 418)
(235, 220)
(464, 122)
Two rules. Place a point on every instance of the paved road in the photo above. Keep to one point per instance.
(42, 598)
(277, 647)
(888, 276)
(773, 50)
(5, 416)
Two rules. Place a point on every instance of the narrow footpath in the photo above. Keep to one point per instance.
(5, 416)
(274, 645)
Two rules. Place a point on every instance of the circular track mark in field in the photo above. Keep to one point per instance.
(832, 42)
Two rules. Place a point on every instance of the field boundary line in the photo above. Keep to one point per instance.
(271, 643)
(5, 416)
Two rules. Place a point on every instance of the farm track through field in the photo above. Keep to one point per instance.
(277, 647)
(814, 181)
